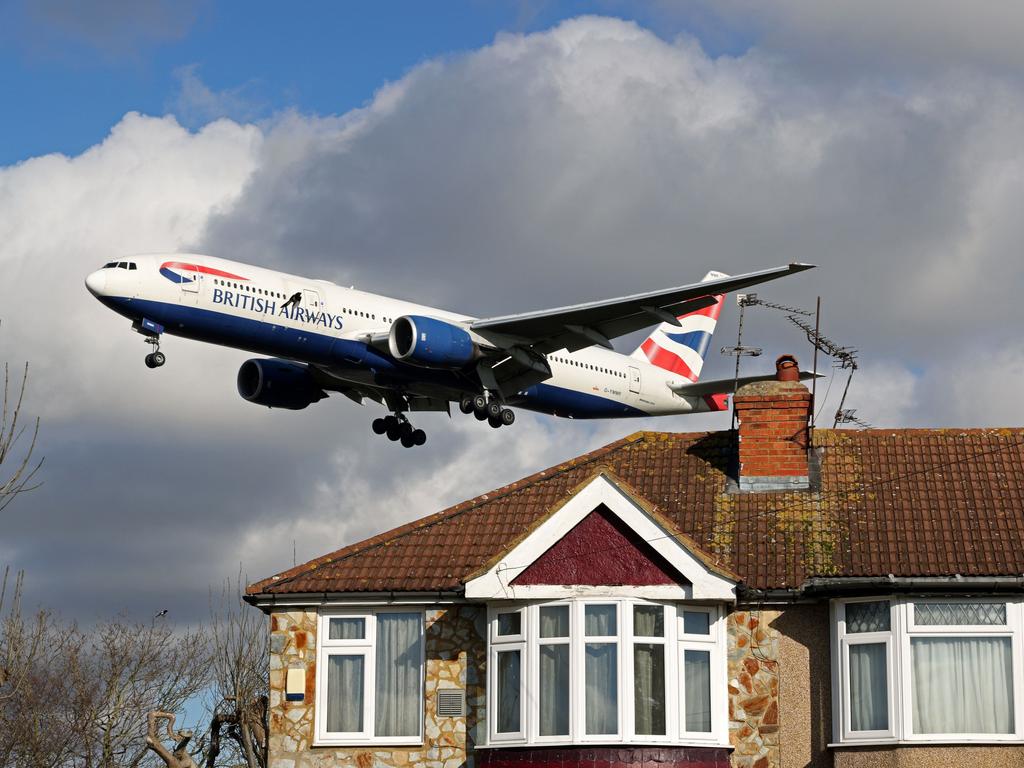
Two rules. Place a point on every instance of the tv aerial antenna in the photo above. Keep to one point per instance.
(845, 357)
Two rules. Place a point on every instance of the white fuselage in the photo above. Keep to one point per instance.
(339, 329)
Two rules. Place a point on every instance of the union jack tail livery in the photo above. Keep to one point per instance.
(681, 348)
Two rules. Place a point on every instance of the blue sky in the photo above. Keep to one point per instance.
(67, 76)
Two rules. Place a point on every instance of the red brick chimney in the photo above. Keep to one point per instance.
(773, 431)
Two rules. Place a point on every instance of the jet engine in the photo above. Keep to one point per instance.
(278, 384)
(430, 342)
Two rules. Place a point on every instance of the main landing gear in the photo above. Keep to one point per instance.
(487, 409)
(398, 428)
(156, 358)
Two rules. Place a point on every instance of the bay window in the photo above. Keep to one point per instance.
(370, 677)
(606, 671)
(928, 669)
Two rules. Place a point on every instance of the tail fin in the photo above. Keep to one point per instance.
(681, 348)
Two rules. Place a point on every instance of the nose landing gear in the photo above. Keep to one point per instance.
(487, 409)
(156, 358)
(398, 429)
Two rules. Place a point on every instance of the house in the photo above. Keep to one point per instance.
(758, 598)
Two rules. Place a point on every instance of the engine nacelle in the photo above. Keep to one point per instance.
(278, 384)
(430, 342)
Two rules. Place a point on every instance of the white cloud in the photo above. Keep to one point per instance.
(591, 160)
(857, 37)
(149, 187)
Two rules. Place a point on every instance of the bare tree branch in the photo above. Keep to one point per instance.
(17, 479)
(179, 757)
(240, 674)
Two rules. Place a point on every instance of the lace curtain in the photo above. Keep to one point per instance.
(962, 685)
(397, 686)
(869, 691)
(345, 693)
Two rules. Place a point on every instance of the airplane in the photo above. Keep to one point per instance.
(321, 337)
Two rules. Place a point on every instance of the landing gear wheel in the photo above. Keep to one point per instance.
(394, 433)
(407, 441)
(508, 417)
(404, 431)
(494, 410)
(480, 415)
(479, 403)
(155, 358)
(418, 436)
(379, 426)
(494, 422)
(466, 404)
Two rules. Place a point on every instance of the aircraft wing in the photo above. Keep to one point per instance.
(728, 386)
(597, 322)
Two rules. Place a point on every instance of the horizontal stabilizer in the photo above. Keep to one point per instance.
(728, 386)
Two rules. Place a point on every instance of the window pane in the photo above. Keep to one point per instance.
(869, 692)
(963, 614)
(510, 623)
(602, 688)
(345, 694)
(867, 617)
(600, 620)
(649, 688)
(398, 693)
(347, 629)
(697, 684)
(696, 622)
(554, 690)
(648, 621)
(554, 621)
(508, 691)
(962, 684)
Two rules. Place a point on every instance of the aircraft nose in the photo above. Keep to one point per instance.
(96, 282)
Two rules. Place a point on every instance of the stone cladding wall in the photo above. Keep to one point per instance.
(456, 652)
(753, 689)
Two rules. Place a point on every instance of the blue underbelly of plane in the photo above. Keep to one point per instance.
(560, 401)
(267, 338)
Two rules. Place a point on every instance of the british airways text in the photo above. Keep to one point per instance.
(268, 307)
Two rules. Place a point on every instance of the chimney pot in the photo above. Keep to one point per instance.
(787, 368)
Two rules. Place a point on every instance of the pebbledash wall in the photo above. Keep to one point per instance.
(762, 662)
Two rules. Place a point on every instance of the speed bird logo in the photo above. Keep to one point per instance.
(180, 272)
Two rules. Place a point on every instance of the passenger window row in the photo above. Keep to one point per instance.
(587, 366)
(248, 288)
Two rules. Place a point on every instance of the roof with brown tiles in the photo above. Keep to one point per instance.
(908, 502)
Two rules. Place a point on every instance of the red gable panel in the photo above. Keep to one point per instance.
(600, 550)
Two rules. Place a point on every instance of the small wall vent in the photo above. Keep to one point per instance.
(451, 703)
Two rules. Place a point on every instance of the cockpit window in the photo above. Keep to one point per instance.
(110, 265)
(131, 265)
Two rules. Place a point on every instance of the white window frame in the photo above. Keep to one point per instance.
(846, 640)
(713, 642)
(903, 629)
(506, 643)
(675, 642)
(366, 647)
(673, 674)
